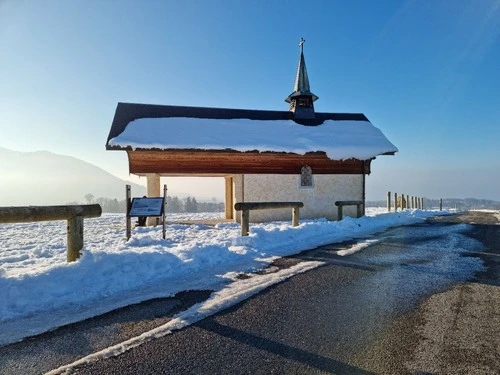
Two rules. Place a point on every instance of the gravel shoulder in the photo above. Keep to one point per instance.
(453, 332)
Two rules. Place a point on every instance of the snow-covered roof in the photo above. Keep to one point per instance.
(340, 140)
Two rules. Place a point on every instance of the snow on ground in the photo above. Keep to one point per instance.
(36, 283)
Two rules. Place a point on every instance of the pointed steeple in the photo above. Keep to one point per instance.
(301, 99)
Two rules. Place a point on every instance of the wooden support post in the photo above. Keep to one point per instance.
(422, 203)
(359, 211)
(407, 203)
(295, 216)
(164, 209)
(245, 222)
(75, 238)
(441, 204)
(395, 202)
(153, 187)
(388, 201)
(412, 202)
(228, 200)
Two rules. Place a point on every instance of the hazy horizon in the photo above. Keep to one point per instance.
(17, 174)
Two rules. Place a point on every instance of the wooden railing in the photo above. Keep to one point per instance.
(246, 207)
(73, 214)
(341, 204)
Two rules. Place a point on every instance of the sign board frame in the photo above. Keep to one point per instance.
(144, 207)
(147, 207)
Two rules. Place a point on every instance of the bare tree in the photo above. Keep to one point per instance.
(89, 197)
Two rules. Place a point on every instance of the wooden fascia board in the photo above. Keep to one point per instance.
(192, 162)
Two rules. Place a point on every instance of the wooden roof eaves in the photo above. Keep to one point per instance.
(226, 150)
(182, 150)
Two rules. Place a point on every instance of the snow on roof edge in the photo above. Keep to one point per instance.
(340, 140)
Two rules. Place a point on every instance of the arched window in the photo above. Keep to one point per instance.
(306, 177)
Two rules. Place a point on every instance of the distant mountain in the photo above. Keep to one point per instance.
(44, 178)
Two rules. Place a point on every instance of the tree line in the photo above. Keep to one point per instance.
(174, 204)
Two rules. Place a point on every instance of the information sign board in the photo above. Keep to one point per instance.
(147, 207)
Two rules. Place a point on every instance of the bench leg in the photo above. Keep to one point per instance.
(359, 210)
(339, 213)
(245, 222)
(295, 217)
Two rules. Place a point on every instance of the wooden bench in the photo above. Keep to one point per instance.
(246, 207)
(341, 204)
(73, 214)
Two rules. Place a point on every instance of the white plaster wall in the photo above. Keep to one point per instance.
(319, 201)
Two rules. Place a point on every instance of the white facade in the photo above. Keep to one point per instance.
(319, 200)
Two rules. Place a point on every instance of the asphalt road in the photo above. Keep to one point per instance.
(399, 306)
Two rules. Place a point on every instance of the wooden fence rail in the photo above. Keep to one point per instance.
(73, 214)
(246, 207)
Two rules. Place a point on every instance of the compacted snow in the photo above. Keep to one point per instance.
(37, 284)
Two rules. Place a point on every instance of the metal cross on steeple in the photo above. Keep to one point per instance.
(301, 43)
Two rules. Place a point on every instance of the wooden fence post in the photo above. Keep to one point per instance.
(441, 204)
(422, 203)
(395, 202)
(75, 238)
(388, 201)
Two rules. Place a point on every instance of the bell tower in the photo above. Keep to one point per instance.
(302, 99)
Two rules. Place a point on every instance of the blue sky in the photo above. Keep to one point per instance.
(427, 73)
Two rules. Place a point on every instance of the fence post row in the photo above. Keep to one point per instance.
(74, 216)
(406, 201)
